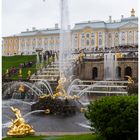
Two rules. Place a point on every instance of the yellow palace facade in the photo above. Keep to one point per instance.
(85, 35)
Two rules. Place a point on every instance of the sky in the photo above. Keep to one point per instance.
(19, 15)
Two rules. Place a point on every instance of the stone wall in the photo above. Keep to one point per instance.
(85, 68)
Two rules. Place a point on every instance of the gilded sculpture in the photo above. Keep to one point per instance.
(19, 127)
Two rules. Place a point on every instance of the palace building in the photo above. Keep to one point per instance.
(85, 35)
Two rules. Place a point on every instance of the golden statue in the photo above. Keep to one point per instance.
(60, 91)
(130, 80)
(119, 55)
(19, 127)
(132, 12)
(82, 110)
(81, 56)
(21, 89)
(60, 87)
(29, 73)
(7, 72)
(20, 72)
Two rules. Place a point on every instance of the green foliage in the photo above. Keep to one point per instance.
(14, 61)
(115, 118)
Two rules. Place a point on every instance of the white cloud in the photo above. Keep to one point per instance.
(17, 15)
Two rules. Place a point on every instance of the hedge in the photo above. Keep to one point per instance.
(115, 117)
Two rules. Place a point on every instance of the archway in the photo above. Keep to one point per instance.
(94, 73)
(118, 70)
(128, 71)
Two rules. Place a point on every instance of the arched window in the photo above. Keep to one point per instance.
(100, 41)
(123, 35)
(92, 35)
(45, 41)
(75, 36)
(109, 35)
(116, 39)
(82, 43)
(82, 35)
(116, 35)
(87, 35)
(118, 70)
(39, 42)
(94, 73)
(130, 37)
(87, 42)
(128, 71)
(92, 42)
(100, 34)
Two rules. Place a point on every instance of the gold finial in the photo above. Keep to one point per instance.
(132, 12)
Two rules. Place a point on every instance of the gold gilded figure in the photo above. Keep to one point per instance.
(29, 73)
(20, 73)
(19, 127)
(21, 89)
(130, 80)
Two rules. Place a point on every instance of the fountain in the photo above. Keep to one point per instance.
(65, 47)
(51, 90)
(58, 103)
(110, 66)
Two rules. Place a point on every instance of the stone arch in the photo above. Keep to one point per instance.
(94, 73)
(128, 71)
(118, 70)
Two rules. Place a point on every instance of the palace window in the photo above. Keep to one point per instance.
(39, 42)
(130, 37)
(83, 35)
(75, 43)
(92, 42)
(100, 34)
(92, 35)
(88, 35)
(87, 42)
(123, 36)
(136, 37)
(75, 35)
(45, 41)
(34, 42)
(100, 41)
(109, 35)
(82, 42)
(116, 35)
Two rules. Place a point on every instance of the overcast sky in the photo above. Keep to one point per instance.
(18, 15)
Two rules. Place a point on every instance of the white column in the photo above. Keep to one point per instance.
(104, 40)
(135, 37)
(126, 38)
(10, 49)
(112, 39)
(120, 39)
(19, 49)
(36, 42)
(3, 49)
(43, 43)
(25, 47)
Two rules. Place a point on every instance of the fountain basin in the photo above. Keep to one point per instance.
(56, 106)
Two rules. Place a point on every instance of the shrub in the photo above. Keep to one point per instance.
(115, 118)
